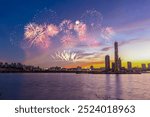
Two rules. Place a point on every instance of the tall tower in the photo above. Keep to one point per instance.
(119, 63)
(116, 57)
(107, 63)
(148, 66)
(129, 65)
(113, 66)
(143, 67)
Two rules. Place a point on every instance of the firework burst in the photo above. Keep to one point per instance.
(34, 34)
(87, 30)
(107, 33)
(40, 34)
(93, 20)
(68, 41)
(66, 26)
(81, 29)
(52, 30)
(67, 56)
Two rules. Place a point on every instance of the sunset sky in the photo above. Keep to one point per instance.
(70, 33)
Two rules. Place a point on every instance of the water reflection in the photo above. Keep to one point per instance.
(74, 86)
(118, 90)
(113, 87)
(53, 86)
(108, 86)
(10, 86)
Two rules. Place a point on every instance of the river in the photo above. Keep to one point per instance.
(70, 86)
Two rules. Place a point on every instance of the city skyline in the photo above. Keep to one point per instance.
(71, 36)
(109, 67)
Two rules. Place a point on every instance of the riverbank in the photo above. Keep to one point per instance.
(77, 72)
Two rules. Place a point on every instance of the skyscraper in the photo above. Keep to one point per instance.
(113, 66)
(116, 56)
(129, 65)
(149, 66)
(107, 63)
(143, 67)
(119, 64)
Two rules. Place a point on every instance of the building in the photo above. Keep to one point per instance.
(116, 57)
(107, 63)
(149, 66)
(91, 68)
(129, 65)
(1, 64)
(79, 68)
(119, 63)
(54, 68)
(113, 66)
(143, 67)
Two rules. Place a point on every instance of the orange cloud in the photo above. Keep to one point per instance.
(86, 65)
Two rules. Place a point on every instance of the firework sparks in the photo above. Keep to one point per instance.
(52, 30)
(87, 29)
(67, 56)
(46, 16)
(81, 29)
(93, 27)
(34, 34)
(66, 26)
(77, 22)
(32, 30)
(93, 20)
(107, 33)
(40, 34)
(68, 41)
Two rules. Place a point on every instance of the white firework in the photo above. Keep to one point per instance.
(40, 34)
(93, 20)
(67, 56)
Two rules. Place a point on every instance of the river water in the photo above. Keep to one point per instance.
(70, 86)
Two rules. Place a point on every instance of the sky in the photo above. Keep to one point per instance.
(71, 33)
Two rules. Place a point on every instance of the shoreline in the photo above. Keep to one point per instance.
(76, 72)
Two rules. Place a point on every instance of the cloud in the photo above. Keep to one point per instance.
(132, 40)
(106, 48)
(85, 64)
(89, 56)
(121, 43)
(134, 26)
(93, 43)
